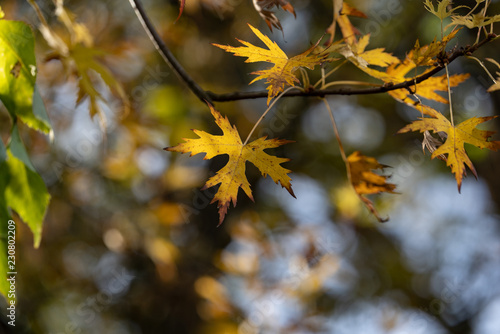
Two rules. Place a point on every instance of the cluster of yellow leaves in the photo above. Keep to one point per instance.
(232, 176)
(365, 181)
(360, 168)
(282, 73)
(78, 57)
(457, 136)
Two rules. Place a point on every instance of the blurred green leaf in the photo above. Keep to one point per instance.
(4, 217)
(18, 73)
(25, 192)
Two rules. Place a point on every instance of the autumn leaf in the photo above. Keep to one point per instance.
(181, 9)
(362, 58)
(80, 58)
(349, 32)
(282, 73)
(443, 8)
(365, 181)
(426, 55)
(474, 20)
(232, 176)
(263, 7)
(457, 136)
(427, 88)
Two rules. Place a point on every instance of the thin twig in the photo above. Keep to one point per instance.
(449, 96)
(267, 110)
(167, 56)
(337, 135)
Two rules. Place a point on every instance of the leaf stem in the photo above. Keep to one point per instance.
(337, 135)
(267, 110)
(449, 95)
(484, 68)
(324, 76)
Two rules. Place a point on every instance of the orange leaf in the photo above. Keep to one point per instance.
(264, 7)
(232, 176)
(453, 147)
(365, 181)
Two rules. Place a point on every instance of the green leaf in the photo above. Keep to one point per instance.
(39, 110)
(26, 192)
(18, 73)
(17, 148)
(4, 218)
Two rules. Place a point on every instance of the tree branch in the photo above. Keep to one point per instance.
(210, 96)
(356, 91)
(167, 56)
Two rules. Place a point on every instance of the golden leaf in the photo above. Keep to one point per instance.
(357, 55)
(453, 147)
(79, 58)
(426, 55)
(427, 88)
(282, 73)
(232, 176)
(365, 181)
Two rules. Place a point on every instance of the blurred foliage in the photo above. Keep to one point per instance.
(130, 243)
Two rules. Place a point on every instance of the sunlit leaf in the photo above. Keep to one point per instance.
(457, 136)
(25, 192)
(232, 176)
(282, 73)
(18, 73)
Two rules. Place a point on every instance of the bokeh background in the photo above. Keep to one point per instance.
(130, 243)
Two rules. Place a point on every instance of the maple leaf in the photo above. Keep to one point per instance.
(264, 7)
(365, 181)
(357, 55)
(232, 176)
(281, 74)
(457, 136)
(474, 20)
(79, 58)
(349, 32)
(441, 10)
(425, 55)
(427, 88)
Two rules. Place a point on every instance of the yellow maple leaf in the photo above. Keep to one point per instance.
(79, 57)
(362, 58)
(349, 32)
(282, 73)
(232, 176)
(427, 88)
(426, 55)
(453, 147)
(365, 181)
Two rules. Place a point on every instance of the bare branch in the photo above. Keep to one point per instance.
(167, 56)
